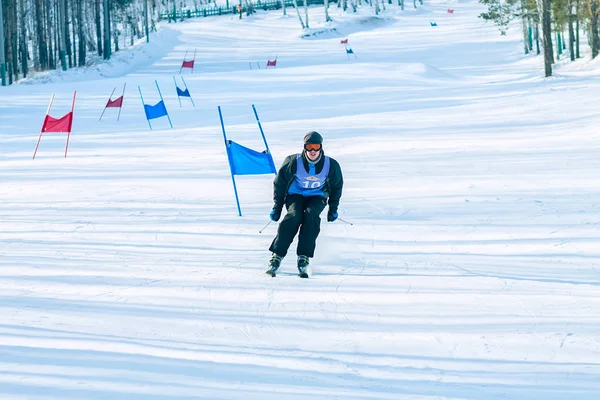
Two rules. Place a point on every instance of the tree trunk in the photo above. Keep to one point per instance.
(547, 38)
(116, 33)
(594, 28)
(299, 16)
(537, 39)
(67, 33)
(306, 14)
(9, 45)
(89, 26)
(577, 55)
(35, 48)
(23, 42)
(146, 27)
(525, 35)
(571, 38)
(41, 35)
(50, 38)
(106, 9)
(98, 24)
(65, 57)
(15, 42)
(2, 47)
(327, 17)
(133, 30)
(74, 23)
(82, 39)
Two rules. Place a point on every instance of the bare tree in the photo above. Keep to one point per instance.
(81, 34)
(547, 38)
(107, 33)
(299, 16)
(327, 17)
(306, 13)
(594, 10)
(98, 22)
(2, 47)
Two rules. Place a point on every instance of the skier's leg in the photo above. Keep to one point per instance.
(311, 226)
(288, 227)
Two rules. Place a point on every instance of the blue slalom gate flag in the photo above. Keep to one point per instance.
(155, 111)
(350, 51)
(245, 161)
(183, 92)
(433, 23)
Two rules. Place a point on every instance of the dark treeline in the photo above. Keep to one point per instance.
(41, 35)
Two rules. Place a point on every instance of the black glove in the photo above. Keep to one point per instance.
(275, 214)
(332, 215)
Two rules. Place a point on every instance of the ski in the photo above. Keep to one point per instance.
(273, 274)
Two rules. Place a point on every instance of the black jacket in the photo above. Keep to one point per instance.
(332, 189)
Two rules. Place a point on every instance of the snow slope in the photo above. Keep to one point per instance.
(470, 270)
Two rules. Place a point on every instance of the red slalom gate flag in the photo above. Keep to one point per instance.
(115, 103)
(62, 124)
(188, 63)
(59, 125)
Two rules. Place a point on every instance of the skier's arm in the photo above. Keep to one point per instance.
(281, 182)
(336, 183)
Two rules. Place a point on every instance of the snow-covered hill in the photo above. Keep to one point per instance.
(470, 270)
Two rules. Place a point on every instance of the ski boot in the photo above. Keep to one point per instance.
(274, 264)
(303, 266)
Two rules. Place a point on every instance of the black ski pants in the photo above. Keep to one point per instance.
(302, 213)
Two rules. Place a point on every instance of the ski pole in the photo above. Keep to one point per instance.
(346, 222)
(264, 227)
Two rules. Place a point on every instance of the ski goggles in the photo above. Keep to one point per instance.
(312, 147)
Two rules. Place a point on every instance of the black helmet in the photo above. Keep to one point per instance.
(313, 137)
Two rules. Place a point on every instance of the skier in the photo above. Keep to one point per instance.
(305, 184)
